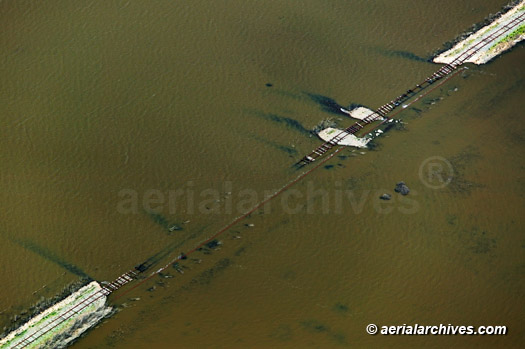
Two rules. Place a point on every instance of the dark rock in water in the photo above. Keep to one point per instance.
(385, 197)
(402, 188)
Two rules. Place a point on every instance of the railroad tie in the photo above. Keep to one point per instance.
(370, 117)
(381, 112)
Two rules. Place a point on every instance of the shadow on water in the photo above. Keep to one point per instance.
(402, 54)
(327, 104)
(52, 257)
(288, 122)
(164, 222)
(288, 94)
(163, 253)
(275, 145)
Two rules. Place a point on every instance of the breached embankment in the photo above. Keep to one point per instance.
(480, 47)
(350, 140)
(501, 43)
(72, 327)
(67, 328)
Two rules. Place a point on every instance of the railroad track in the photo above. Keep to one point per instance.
(380, 113)
(384, 110)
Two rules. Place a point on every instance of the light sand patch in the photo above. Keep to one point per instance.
(359, 113)
(349, 140)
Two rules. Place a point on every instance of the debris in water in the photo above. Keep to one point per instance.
(174, 227)
(178, 268)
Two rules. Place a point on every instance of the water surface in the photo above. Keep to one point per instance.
(100, 97)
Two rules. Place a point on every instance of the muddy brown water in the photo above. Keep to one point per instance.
(169, 101)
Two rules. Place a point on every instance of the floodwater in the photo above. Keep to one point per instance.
(123, 119)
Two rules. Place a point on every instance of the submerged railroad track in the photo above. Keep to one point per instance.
(380, 114)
